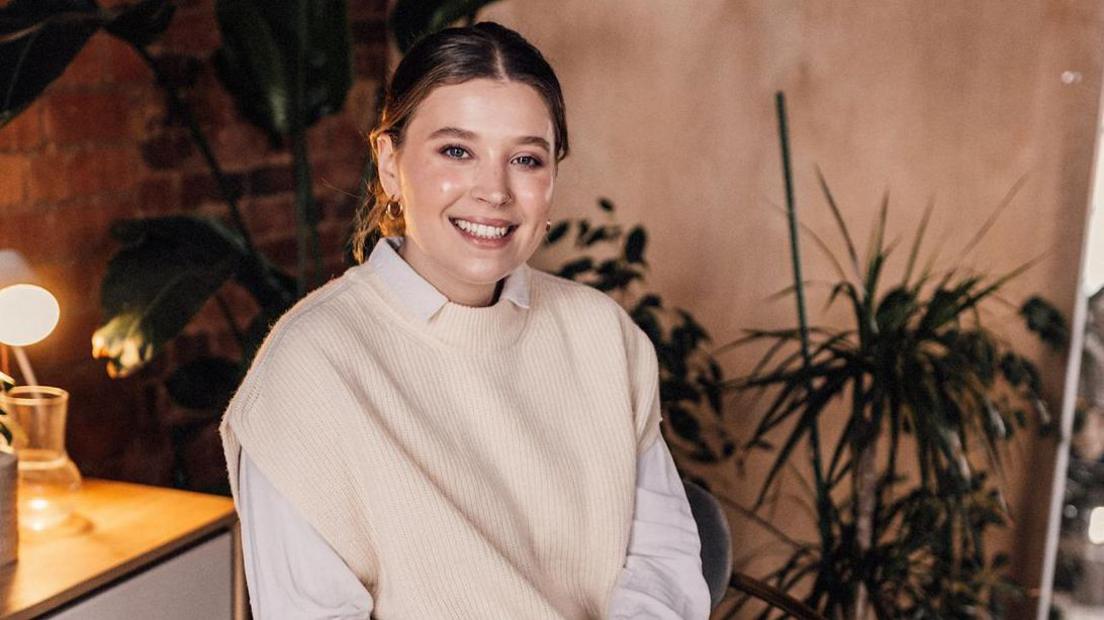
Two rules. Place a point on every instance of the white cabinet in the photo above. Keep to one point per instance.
(197, 583)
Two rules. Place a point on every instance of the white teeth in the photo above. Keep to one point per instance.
(482, 230)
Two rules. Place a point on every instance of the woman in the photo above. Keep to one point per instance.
(443, 432)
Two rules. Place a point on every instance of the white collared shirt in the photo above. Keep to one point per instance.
(292, 572)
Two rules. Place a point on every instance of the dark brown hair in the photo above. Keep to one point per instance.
(452, 56)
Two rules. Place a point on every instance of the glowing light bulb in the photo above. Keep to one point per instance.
(28, 313)
(1096, 525)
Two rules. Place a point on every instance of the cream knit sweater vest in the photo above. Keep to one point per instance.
(479, 465)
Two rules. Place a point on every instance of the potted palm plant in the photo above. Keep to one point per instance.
(921, 378)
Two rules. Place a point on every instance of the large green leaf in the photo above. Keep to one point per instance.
(38, 40)
(258, 60)
(412, 19)
(166, 271)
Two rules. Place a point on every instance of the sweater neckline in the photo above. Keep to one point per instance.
(416, 293)
(456, 326)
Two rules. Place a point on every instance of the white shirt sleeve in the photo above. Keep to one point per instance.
(291, 571)
(662, 578)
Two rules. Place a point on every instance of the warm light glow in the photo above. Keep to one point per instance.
(1096, 525)
(38, 518)
(28, 313)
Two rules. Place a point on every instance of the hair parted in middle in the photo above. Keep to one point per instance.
(446, 57)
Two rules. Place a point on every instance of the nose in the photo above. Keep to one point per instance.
(492, 185)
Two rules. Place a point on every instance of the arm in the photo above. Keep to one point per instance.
(290, 569)
(662, 578)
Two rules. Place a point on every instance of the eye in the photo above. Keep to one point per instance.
(529, 161)
(453, 151)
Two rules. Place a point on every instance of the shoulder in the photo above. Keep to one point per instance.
(311, 314)
(563, 294)
(577, 300)
(290, 360)
(305, 334)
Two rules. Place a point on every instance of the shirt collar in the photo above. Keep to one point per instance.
(418, 295)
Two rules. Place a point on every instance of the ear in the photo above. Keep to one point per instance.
(387, 165)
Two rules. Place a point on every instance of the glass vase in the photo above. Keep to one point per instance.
(48, 478)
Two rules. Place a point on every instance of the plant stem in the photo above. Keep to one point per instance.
(227, 190)
(865, 483)
(824, 508)
(309, 258)
(306, 225)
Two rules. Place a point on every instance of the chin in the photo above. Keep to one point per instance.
(485, 277)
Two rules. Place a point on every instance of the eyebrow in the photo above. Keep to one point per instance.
(470, 135)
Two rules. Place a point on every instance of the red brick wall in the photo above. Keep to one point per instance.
(101, 145)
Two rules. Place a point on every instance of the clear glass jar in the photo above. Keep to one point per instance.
(48, 478)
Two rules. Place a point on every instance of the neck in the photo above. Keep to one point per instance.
(463, 293)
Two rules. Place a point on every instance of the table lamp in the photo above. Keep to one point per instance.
(48, 478)
(28, 312)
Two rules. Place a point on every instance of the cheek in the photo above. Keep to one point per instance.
(432, 184)
(536, 192)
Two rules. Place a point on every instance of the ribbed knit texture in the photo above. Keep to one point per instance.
(478, 465)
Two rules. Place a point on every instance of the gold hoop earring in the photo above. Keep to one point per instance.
(394, 209)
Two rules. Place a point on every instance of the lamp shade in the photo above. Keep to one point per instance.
(28, 313)
(1096, 525)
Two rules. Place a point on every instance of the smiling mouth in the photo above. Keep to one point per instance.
(483, 231)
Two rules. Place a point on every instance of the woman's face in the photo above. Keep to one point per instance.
(474, 175)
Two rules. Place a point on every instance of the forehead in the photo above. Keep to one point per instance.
(490, 108)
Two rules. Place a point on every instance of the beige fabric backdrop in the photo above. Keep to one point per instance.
(670, 106)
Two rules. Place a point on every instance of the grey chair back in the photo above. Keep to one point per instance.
(716, 540)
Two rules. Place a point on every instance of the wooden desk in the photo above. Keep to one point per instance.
(130, 548)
